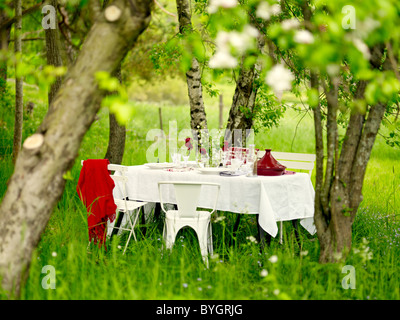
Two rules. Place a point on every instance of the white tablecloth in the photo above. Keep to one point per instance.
(278, 198)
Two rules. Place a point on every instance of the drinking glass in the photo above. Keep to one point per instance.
(185, 160)
(176, 158)
(225, 158)
(237, 160)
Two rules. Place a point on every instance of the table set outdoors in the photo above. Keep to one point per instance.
(273, 196)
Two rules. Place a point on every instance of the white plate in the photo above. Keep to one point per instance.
(212, 170)
(164, 165)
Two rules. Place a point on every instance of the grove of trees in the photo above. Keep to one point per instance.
(343, 60)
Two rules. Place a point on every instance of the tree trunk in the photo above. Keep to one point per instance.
(4, 38)
(117, 136)
(198, 118)
(241, 112)
(68, 48)
(53, 54)
(338, 198)
(19, 102)
(37, 182)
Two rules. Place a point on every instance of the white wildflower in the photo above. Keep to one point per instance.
(290, 24)
(276, 292)
(251, 239)
(303, 36)
(220, 218)
(303, 253)
(273, 259)
(279, 79)
(263, 273)
(216, 4)
(54, 254)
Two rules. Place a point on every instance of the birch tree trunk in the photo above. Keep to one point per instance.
(53, 53)
(37, 182)
(19, 102)
(198, 118)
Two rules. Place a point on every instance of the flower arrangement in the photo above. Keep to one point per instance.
(188, 145)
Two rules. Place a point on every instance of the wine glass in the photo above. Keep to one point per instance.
(237, 160)
(176, 157)
(185, 155)
(225, 158)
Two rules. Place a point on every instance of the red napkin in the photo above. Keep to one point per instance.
(95, 188)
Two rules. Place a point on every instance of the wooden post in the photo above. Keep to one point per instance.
(221, 110)
(160, 116)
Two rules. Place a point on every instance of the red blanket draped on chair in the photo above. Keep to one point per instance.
(95, 188)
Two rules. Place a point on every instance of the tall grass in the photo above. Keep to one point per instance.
(238, 270)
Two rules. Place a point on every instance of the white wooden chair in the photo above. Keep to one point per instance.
(296, 161)
(124, 205)
(187, 195)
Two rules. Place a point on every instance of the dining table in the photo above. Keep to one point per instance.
(289, 196)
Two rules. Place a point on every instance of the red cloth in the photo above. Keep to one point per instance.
(95, 188)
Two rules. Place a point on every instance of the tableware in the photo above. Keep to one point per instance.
(251, 161)
(160, 165)
(269, 166)
(211, 170)
(176, 158)
(232, 173)
(236, 163)
(185, 160)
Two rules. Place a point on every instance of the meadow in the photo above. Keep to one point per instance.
(238, 270)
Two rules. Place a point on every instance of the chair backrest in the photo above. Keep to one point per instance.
(187, 196)
(298, 161)
(114, 167)
(118, 178)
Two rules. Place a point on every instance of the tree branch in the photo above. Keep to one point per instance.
(163, 9)
(8, 23)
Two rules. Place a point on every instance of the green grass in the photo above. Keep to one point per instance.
(238, 269)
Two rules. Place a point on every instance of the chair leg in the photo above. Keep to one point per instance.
(209, 239)
(169, 234)
(281, 234)
(117, 223)
(132, 226)
(203, 242)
